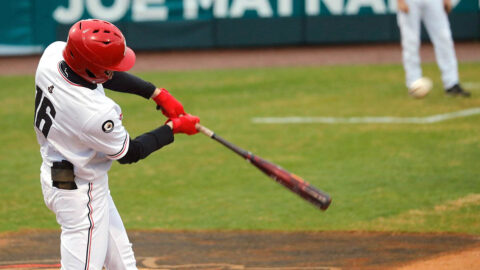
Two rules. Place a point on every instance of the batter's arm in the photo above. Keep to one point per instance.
(128, 83)
(147, 143)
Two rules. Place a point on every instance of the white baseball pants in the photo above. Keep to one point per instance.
(93, 234)
(435, 19)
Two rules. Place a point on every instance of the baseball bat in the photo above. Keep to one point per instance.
(289, 180)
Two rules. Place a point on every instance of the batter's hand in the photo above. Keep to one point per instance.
(169, 105)
(447, 5)
(402, 6)
(185, 124)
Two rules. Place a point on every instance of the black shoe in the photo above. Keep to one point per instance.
(457, 90)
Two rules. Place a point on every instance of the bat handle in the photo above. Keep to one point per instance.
(204, 130)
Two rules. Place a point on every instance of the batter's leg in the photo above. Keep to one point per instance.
(83, 216)
(119, 253)
(438, 27)
(409, 24)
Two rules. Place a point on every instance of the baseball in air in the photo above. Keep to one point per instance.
(420, 88)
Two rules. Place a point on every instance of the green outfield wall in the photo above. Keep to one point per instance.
(27, 26)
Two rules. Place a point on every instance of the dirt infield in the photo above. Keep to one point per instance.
(263, 250)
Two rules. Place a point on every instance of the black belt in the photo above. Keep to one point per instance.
(62, 175)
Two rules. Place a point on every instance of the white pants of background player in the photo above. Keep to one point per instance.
(435, 19)
(93, 234)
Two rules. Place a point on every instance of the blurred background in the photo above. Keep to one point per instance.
(28, 26)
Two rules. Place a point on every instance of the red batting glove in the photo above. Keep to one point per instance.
(185, 124)
(170, 106)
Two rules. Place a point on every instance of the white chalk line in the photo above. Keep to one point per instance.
(471, 85)
(367, 119)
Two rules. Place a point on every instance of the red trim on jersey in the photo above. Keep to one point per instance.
(92, 225)
(124, 148)
(66, 79)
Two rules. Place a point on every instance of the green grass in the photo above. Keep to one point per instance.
(397, 177)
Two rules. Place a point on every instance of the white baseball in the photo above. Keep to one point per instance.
(420, 88)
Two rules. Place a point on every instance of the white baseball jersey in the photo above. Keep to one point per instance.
(76, 123)
(81, 125)
(435, 19)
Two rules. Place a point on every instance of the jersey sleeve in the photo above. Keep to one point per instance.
(105, 133)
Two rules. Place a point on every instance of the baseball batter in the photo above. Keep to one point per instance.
(433, 13)
(80, 133)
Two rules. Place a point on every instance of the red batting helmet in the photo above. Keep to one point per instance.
(95, 47)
